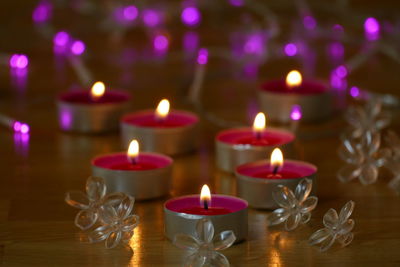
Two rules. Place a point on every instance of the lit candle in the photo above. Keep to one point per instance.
(92, 111)
(277, 98)
(166, 131)
(240, 145)
(257, 180)
(141, 175)
(226, 212)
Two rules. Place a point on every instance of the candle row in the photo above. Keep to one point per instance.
(147, 175)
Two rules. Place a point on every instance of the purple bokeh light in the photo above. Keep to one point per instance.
(24, 128)
(309, 22)
(237, 3)
(202, 57)
(341, 71)
(151, 18)
(336, 50)
(290, 49)
(78, 47)
(42, 12)
(130, 13)
(61, 39)
(371, 28)
(354, 91)
(338, 82)
(17, 126)
(18, 61)
(190, 41)
(254, 44)
(160, 43)
(20, 127)
(295, 113)
(191, 16)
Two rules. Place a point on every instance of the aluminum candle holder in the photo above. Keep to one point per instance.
(255, 181)
(177, 135)
(152, 180)
(179, 222)
(231, 152)
(77, 113)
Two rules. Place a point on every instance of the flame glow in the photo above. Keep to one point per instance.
(293, 79)
(133, 151)
(276, 158)
(205, 195)
(97, 90)
(259, 122)
(162, 109)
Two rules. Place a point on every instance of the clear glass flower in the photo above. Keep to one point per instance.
(118, 223)
(203, 247)
(337, 227)
(366, 118)
(295, 207)
(393, 162)
(90, 202)
(363, 157)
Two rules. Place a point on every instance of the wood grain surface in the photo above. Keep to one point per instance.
(36, 225)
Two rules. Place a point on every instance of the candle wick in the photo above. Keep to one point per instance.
(205, 205)
(258, 135)
(275, 170)
(133, 160)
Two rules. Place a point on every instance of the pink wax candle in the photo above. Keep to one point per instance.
(257, 180)
(240, 145)
(92, 111)
(226, 212)
(169, 132)
(277, 98)
(142, 175)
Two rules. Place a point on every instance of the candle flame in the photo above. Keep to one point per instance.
(259, 122)
(276, 158)
(205, 195)
(162, 109)
(133, 151)
(97, 90)
(293, 79)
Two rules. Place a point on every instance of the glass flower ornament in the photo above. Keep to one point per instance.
(118, 223)
(337, 227)
(91, 202)
(393, 162)
(295, 208)
(204, 247)
(363, 157)
(366, 118)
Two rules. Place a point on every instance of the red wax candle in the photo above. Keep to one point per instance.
(289, 170)
(90, 111)
(225, 212)
(148, 177)
(148, 119)
(119, 161)
(171, 132)
(256, 181)
(307, 87)
(246, 136)
(277, 98)
(237, 146)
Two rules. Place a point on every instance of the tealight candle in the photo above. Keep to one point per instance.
(240, 145)
(141, 175)
(94, 111)
(277, 98)
(168, 132)
(257, 180)
(226, 213)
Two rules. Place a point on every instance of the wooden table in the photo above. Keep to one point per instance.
(36, 225)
